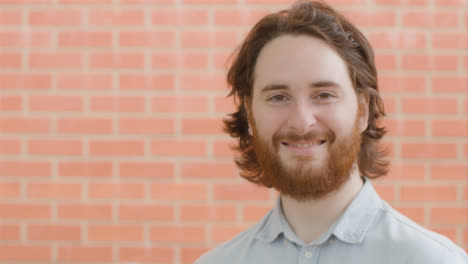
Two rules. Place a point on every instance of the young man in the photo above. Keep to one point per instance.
(308, 105)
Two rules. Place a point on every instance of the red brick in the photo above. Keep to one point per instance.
(73, 253)
(115, 233)
(390, 104)
(25, 211)
(398, 40)
(209, 170)
(147, 1)
(428, 150)
(146, 126)
(84, 39)
(10, 60)
(177, 147)
(400, 127)
(224, 104)
(460, 3)
(238, 17)
(53, 190)
(24, 125)
(415, 214)
(101, 17)
(85, 169)
(85, 1)
(147, 82)
(178, 234)
(84, 211)
(426, 63)
(54, 232)
(457, 215)
(146, 213)
(451, 233)
(146, 169)
(9, 232)
(54, 147)
(427, 193)
(116, 190)
(55, 103)
(10, 147)
(418, 105)
(210, 39)
(11, 103)
(56, 60)
(225, 233)
(402, 2)
(449, 171)
(9, 190)
(203, 82)
(202, 126)
(10, 17)
(398, 83)
(209, 1)
(386, 192)
(24, 168)
(449, 84)
(180, 17)
(116, 60)
(84, 125)
(179, 104)
(385, 62)
(189, 60)
(178, 191)
(429, 19)
(189, 255)
(449, 40)
(11, 252)
(91, 81)
(372, 18)
(450, 128)
(55, 17)
(116, 148)
(25, 39)
(25, 81)
(406, 171)
(222, 60)
(147, 39)
(254, 213)
(223, 149)
(117, 104)
(147, 255)
(240, 191)
(208, 213)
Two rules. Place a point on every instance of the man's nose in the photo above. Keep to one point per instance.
(302, 117)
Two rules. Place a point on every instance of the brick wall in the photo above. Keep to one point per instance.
(111, 148)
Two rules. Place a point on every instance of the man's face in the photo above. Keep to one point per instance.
(305, 116)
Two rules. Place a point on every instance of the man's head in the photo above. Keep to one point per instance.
(305, 83)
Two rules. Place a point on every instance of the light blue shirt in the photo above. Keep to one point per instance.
(368, 232)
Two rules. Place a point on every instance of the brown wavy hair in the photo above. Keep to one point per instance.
(318, 20)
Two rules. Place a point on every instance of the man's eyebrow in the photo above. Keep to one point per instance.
(318, 84)
(327, 83)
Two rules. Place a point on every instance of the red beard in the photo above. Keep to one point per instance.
(302, 183)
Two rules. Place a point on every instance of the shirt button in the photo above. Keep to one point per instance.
(285, 241)
(308, 254)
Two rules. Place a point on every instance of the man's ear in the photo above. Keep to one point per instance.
(363, 100)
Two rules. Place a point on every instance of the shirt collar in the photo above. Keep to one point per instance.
(351, 227)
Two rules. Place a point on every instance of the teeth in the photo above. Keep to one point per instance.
(304, 145)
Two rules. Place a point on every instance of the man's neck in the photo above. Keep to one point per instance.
(309, 219)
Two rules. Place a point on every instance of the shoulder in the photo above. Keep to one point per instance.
(233, 250)
(413, 242)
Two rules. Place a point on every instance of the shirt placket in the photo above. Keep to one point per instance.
(309, 255)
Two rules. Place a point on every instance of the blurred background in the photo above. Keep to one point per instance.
(111, 146)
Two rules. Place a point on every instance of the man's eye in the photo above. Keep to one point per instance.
(278, 98)
(323, 96)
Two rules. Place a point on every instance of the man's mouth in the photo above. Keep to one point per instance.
(307, 144)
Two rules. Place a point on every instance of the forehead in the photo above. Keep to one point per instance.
(295, 59)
